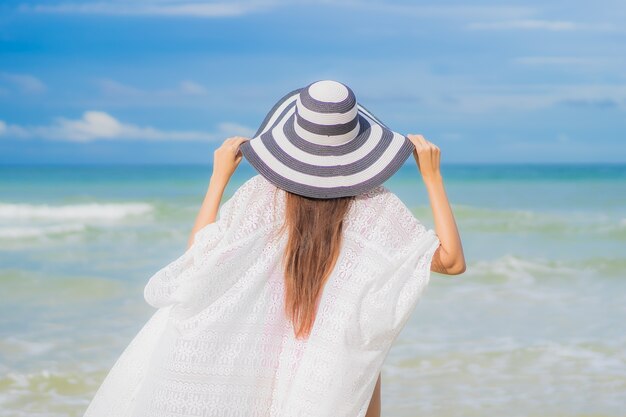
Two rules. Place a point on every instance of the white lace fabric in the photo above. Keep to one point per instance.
(220, 344)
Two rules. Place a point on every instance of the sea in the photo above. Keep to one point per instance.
(536, 326)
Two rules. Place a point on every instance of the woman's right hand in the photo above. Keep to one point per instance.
(227, 157)
(427, 156)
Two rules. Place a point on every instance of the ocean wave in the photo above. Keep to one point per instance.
(12, 345)
(520, 272)
(496, 355)
(47, 392)
(511, 268)
(477, 377)
(481, 377)
(557, 224)
(22, 286)
(40, 231)
(43, 221)
(512, 283)
(88, 211)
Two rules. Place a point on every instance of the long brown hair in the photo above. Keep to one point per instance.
(314, 228)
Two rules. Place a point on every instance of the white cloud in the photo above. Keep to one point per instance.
(415, 9)
(537, 96)
(416, 87)
(537, 24)
(590, 65)
(451, 136)
(191, 88)
(235, 129)
(26, 83)
(98, 125)
(12, 130)
(563, 138)
(237, 8)
(161, 8)
(116, 88)
(184, 88)
(553, 60)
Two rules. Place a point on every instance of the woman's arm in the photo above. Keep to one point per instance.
(449, 258)
(210, 206)
(226, 158)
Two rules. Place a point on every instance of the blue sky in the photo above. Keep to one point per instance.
(166, 81)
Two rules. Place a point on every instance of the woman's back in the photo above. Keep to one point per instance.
(220, 342)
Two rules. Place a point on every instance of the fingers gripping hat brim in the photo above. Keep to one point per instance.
(279, 153)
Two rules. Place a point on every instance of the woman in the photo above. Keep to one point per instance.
(288, 302)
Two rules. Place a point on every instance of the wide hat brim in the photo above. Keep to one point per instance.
(312, 170)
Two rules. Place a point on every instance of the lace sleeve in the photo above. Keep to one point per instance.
(161, 287)
(405, 248)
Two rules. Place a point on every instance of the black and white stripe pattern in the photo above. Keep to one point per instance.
(327, 122)
(319, 142)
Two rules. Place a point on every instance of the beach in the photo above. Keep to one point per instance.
(536, 326)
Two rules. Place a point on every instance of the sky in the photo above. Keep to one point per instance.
(158, 81)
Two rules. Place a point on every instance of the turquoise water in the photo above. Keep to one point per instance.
(535, 327)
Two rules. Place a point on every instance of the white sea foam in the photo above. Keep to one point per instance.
(89, 211)
(504, 281)
(511, 268)
(40, 231)
(12, 345)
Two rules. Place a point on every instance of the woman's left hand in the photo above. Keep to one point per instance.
(227, 157)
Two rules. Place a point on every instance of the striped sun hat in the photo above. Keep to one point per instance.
(318, 142)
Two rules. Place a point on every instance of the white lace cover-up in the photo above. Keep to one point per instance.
(220, 344)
